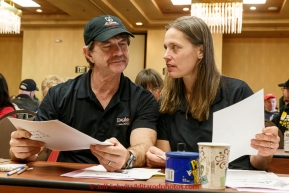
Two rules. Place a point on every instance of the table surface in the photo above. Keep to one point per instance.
(45, 177)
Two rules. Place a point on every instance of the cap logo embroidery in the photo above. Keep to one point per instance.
(23, 86)
(110, 22)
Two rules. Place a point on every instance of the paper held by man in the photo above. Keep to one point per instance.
(56, 135)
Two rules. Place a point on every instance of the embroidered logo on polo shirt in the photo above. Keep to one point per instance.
(110, 22)
(123, 121)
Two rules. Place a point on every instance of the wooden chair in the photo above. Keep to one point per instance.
(6, 128)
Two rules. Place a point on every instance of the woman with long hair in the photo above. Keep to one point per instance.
(6, 105)
(193, 90)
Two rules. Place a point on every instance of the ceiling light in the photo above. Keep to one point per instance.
(26, 3)
(138, 23)
(272, 8)
(253, 8)
(39, 10)
(186, 9)
(254, 1)
(181, 2)
(9, 18)
(220, 17)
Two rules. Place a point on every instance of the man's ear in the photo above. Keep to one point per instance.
(87, 54)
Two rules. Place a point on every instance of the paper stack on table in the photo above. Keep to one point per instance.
(256, 181)
(10, 167)
(125, 174)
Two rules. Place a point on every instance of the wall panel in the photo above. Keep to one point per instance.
(261, 62)
(11, 60)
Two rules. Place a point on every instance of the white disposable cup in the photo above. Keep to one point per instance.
(213, 161)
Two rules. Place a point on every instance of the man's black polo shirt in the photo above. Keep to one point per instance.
(75, 104)
(179, 128)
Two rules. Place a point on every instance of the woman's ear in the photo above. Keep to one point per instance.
(87, 54)
(200, 52)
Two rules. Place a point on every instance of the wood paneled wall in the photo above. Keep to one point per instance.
(261, 62)
(11, 60)
(36, 55)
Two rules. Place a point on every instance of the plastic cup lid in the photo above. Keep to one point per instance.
(182, 154)
(213, 144)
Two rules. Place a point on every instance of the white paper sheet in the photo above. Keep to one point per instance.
(256, 180)
(10, 167)
(239, 123)
(56, 135)
(126, 174)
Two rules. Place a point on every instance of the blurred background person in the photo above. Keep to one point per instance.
(25, 98)
(282, 119)
(48, 82)
(6, 105)
(270, 106)
(150, 80)
(282, 100)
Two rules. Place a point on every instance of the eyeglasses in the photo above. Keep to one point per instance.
(284, 88)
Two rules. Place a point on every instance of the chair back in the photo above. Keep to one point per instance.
(6, 128)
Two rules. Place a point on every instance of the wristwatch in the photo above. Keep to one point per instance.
(130, 161)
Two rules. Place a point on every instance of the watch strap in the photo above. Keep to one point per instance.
(130, 161)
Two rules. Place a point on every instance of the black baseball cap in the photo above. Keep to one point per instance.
(102, 28)
(285, 84)
(28, 85)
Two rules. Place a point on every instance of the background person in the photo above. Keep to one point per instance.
(193, 90)
(6, 105)
(151, 80)
(282, 119)
(270, 106)
(48, 82)
(101, 103)
(282, 100)
(25, 97)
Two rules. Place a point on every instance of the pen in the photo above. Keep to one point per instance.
(121, 171)
(15, 171)
(23, 170)
(163, 157)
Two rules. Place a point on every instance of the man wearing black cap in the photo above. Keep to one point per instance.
(102, 103)
(25, 98)
(282, 119)
(282, 102)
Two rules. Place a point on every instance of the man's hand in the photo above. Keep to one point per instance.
(22, 148)
(112, 157)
